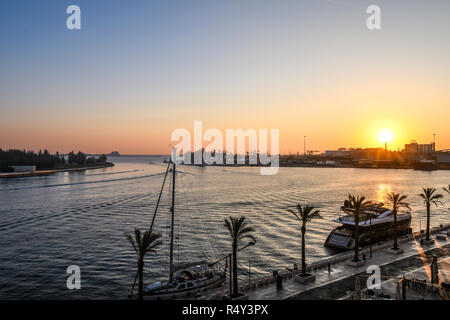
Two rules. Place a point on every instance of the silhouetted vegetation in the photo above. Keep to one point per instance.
(143, 244)
(44, 160)
(397, 201)
(304, 215)
(239, 230)
(430, 197)
(447, 189)
(356, 205)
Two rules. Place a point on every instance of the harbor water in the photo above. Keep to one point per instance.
(48, 223)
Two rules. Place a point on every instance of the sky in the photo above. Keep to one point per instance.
(137, 70)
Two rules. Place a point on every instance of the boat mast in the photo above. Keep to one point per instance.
(172, 209)
(159, 197)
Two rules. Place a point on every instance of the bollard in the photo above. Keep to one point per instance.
(279, 282)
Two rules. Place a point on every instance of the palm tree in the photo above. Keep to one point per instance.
(143, 244)
(448, 190)
(356, 205)
(304, 215)
(239, 230)
(430, 197)
(397, 201)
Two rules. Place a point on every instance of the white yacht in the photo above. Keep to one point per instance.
(376, 223)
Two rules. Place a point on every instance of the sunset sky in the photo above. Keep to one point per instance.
(137, 70)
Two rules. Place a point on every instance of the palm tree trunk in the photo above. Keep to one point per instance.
(356, 257)
(303, 251)
(235, 278)
(428, 222)
(395, 231)
(141, 279)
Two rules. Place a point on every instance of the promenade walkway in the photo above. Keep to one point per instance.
(338, 283)
(389, 287)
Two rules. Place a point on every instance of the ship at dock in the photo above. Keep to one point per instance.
(426, 165)
(376, 223)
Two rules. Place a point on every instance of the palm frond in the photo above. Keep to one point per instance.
(397, 201)
(143, 243)
(356, 204)
(305, 213)
(295, 214)
(239, 229)
(430, 197)
(447, 190)
(131, 240)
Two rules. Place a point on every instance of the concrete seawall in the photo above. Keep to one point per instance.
(10, 175)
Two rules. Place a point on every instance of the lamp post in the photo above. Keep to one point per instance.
(434, 142)
(304, 146)
(230, 256)
(248, 271)
(231, 282)
(370, 219)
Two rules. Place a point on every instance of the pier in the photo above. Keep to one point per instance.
(52, 171)
(338, 282)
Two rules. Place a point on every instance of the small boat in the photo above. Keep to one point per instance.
(375, 224)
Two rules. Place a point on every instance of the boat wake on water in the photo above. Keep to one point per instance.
(84, 182)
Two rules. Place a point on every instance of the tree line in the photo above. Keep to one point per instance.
(43, 159)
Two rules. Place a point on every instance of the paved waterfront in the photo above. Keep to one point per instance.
(389, 287)
(340, 282)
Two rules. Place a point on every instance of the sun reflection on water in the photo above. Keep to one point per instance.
(382, 191)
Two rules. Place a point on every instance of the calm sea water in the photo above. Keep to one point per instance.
(48, 223)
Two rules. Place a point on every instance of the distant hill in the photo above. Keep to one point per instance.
(114, 154)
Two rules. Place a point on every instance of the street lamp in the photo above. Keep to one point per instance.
(251, 243)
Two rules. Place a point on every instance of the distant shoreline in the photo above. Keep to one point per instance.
(10, 175)
(283, 165)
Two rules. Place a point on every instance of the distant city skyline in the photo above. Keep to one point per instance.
(136, 72)
(309, 151)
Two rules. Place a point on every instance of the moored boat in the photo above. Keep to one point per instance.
(188, 282)
(185, 280)
(376, 223)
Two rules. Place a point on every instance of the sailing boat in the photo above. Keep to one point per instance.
(188, 279)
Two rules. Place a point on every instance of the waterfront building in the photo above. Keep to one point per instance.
(341, 152)
(417, 148)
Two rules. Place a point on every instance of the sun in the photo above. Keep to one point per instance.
(385, 135)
